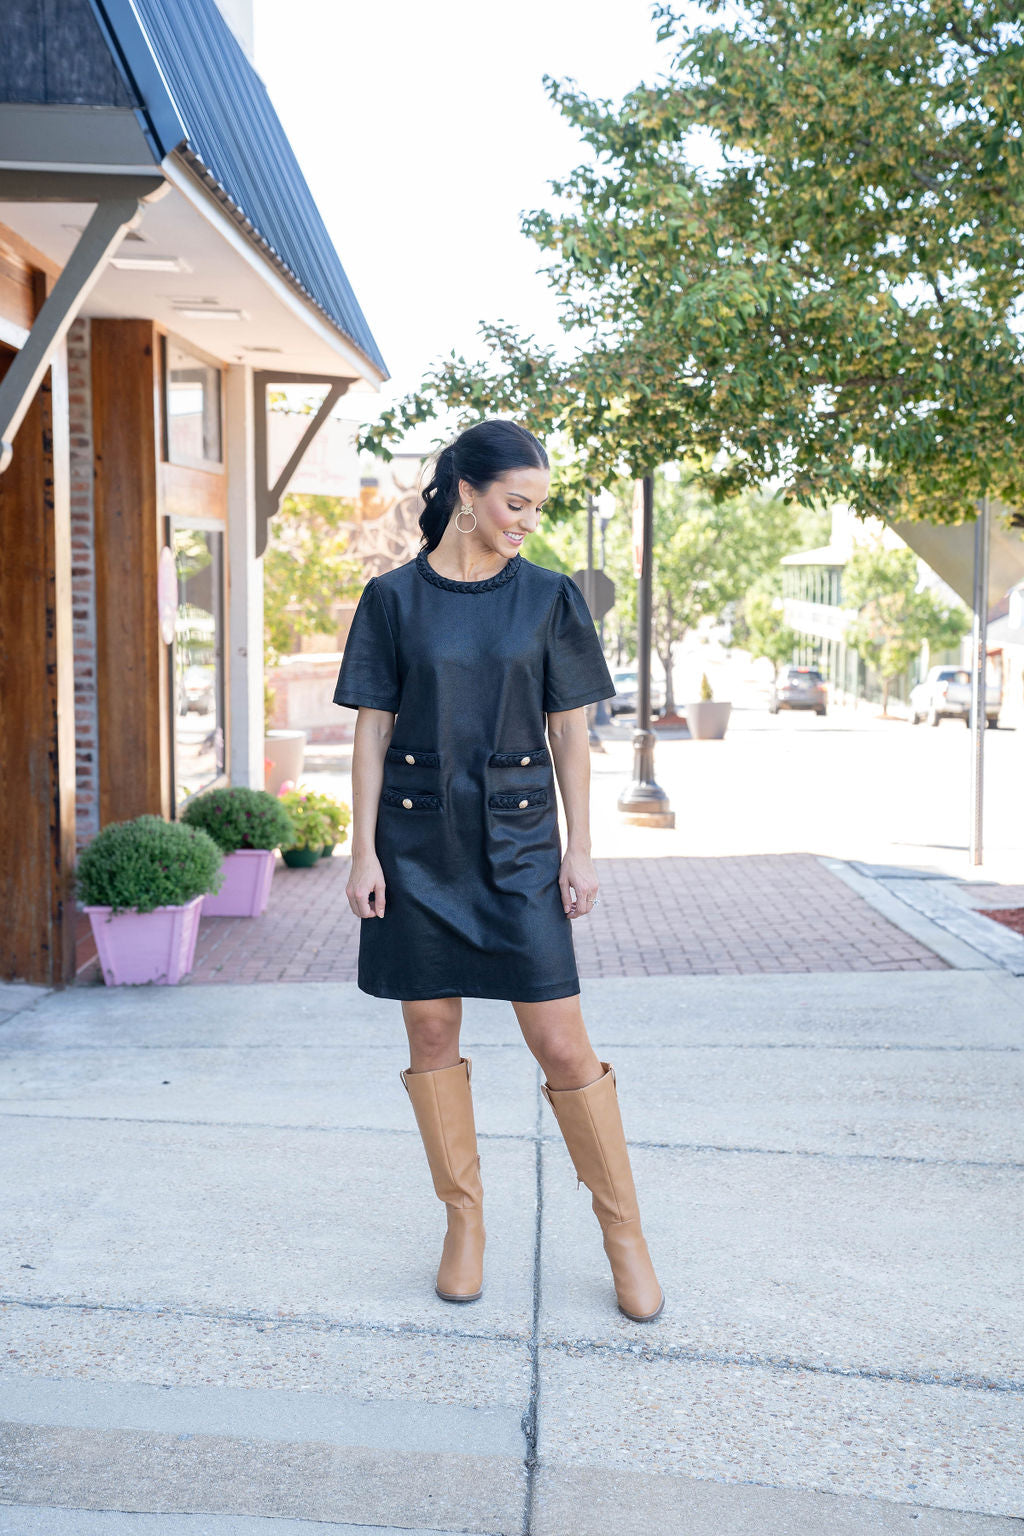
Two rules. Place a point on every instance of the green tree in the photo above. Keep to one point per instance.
(761, 627)
(894, 618)
(306, 572)
(833, 302)
(708, 553)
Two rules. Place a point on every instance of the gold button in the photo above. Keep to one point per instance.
(525, 761)
(407, 804)
(409, 757)
(523, 804)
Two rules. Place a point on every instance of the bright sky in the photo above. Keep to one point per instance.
(424, 130)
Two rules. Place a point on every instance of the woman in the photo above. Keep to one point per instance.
(453, 661)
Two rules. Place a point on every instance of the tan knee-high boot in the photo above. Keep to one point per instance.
(443, 1104)
(591, 1125)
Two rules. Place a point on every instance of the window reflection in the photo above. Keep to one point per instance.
(198, 660)
(193, 408)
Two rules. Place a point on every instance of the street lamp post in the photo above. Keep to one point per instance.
(643, 800)
(588, 593)
(605, 512)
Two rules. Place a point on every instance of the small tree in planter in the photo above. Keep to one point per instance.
(708, 717)
(247, 825)
(142, 883)
(312, 828)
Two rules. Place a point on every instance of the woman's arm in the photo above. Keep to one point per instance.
(570, 752)
(373, 733)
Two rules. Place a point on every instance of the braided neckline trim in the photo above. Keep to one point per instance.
(506, 573)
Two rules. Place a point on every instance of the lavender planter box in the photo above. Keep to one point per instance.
(246, 888)
(157, 946)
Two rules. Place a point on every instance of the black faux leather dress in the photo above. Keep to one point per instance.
(467, 827)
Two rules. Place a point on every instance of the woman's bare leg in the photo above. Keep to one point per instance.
(433, 1027)
(557, 1036)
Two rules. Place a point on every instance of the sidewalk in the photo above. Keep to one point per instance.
(218, 1315)
(218, 1312)
(657, 917)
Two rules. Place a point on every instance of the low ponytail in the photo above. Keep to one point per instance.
(478, 455)
(439, 498)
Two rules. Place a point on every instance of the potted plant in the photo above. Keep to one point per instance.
(708, 718)
(142, 884)
(311, 828)
(247, 825)
(338, 815)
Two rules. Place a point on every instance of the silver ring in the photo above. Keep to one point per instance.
(595, 901)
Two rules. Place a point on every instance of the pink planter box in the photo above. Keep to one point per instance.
(136, 947)
(246, 888)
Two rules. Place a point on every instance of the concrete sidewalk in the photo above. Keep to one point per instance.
(218, 1316)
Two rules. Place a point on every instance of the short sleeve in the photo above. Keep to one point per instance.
(369, 666)
(575, 671)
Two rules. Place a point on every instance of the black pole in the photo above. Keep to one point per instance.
(601, 715)
(643, 800)
(588, 593)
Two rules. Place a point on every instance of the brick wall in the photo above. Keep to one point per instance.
(83, 582)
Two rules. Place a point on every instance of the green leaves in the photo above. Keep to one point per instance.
(895, 619)
(238, 817)
(830, 299)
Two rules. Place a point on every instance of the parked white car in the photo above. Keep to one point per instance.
(946, 694)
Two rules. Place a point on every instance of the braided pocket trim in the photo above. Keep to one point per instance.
(538, 756)
(423, 759)
(514, 802)
(390, 795)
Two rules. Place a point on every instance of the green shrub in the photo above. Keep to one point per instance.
(146, 863)
(237, 817)
(312, 827)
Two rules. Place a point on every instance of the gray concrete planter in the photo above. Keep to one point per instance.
(708, 719)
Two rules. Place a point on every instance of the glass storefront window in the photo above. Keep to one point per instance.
(198, 660)
(192, 390)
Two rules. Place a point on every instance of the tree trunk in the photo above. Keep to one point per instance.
(665, 657)
(670, 693)
(885, 695)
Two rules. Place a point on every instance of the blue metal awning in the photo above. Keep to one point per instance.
(200, 97)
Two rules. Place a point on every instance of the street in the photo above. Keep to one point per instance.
(850, 785)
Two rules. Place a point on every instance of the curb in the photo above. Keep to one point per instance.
(962, 944)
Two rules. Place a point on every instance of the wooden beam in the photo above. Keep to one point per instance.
(37, 750)
(131, 659)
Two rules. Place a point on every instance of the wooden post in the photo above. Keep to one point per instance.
(37, 748)
(131, 661)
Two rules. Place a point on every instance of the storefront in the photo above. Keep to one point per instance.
(162, 263)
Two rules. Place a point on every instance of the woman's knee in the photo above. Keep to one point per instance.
(433, 1031)
(567, 1056)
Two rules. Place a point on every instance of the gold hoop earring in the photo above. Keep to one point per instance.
(459, 514)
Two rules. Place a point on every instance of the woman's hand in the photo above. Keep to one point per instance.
(578, 872)
(366, 877)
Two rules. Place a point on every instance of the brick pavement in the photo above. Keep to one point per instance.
(657, 917)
